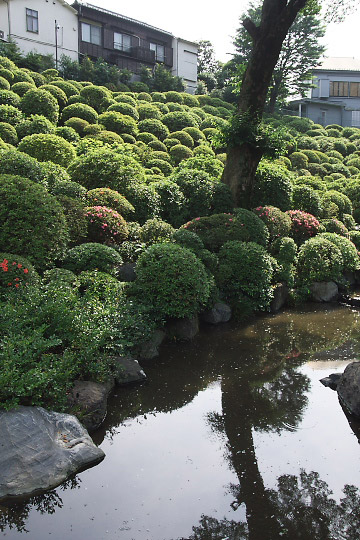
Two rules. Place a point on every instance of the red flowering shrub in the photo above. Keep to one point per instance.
(15, 271)
(278, 222)
(105, 225)
(303, 225)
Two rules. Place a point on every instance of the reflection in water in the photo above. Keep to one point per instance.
(301, 509)
(262, 390)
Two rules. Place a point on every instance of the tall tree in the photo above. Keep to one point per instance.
(244, 154)
(207, 62)
(300, 53)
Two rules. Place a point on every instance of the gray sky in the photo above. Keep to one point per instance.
(217, 22)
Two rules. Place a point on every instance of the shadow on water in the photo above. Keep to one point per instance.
(262, 390)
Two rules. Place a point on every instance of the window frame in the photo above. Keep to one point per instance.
(159, 50)
(32, 20)
(121, 45)
(91, 34)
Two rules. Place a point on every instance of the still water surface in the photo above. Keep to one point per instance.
(233, 437)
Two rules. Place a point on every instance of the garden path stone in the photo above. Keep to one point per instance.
(40, 449)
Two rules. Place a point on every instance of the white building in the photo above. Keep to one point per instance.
(42, 26)
(185, 62)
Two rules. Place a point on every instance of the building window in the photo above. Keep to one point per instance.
(339, 89)
(355, 118)
(122, 42)
(159, 51)
(355, 89)
(91, 33)
(32, 21)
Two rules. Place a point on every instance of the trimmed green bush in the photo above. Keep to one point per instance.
(58, 94)
(179, 152)
(333, 225)
(210, 165)
(41, 102)
(78, 124)
(172, 280)
(155, 231)
(273, 186)
(95, 95)
(342, 202)
(307, 199)
(178, 120)
(119, 123)
(21, 88)
(347, 248)
(154, 126)
(171, 202)
(355, 238)
(10, 115)
(183, 137)
(245, 274)
(33, 222)
(8, 133)
(4, 84)
(92, 256)
(68, 133)
(218, 229)
(76, 221)
(79, 110)
(18, 163)
(7, 97)
(35, 123)
(44, 147)
(145, 200)
(103, 167)
(319, 260)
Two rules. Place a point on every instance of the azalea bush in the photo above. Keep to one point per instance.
(277, 222)
(16, 271)
(105, 225)
(303, 225)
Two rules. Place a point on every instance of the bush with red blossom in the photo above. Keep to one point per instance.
(278, 222)
(303, 225)
(105, 225)
(15, 271)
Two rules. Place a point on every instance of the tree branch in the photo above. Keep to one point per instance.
(251, 28)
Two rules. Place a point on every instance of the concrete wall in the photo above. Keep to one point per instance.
(13, 23)
(185, 62)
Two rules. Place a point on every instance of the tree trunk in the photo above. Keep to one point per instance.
(243, 159)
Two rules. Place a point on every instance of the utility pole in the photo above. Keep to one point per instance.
(56, 43)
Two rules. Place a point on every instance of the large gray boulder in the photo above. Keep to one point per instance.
(220, 313)
(281, 294)
(40, 449)
(89, 400)
(150, 349)
(348, 388)
(183, 329)
(127, 370)
(324, 291)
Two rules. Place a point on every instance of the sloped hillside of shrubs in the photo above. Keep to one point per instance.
(93, 179)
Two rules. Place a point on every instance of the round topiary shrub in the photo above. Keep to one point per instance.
(60, 276)
(312, 181)
(342, 202)
(210, 165)
(79, 110)
(35, 123)
(179, 152)
(183, 137)
(92, 256)
(145, 200)
(154, 126)
(203, 150)
(105, 225)
(21, 88)
(178, 120)
(172, 280)
(188, 239)
(222, 198)
(155, 231)
(306, 199)
(244, 274)
(18, 163)
(33, 222)
(7, 97)
(41, 102)
(319, 260)
(108, 137)
(8, 133)
(4, 84)
(44, 147)
(10, 115)
(147, 137)
(277, 222)
(67, 188)
(111, 199)
(354, 236)
(77, 124)
(333, 225)
(158, 145)
(349, 222)
(68, 133)
(303, 225)
(102, 167)
(125, 108)
(273, 186)
(171, 201)
(164, 166)
(16, 272)
(119, 123)
(218, 229)
(174, 97)
(58, 94)
(94, 95)
(148, 110)
(76, 221)
(347, 248)
(53, 173)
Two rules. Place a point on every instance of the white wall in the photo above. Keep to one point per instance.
(42, 42)
(185, 62)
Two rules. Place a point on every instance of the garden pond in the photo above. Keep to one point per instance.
(232, 437)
